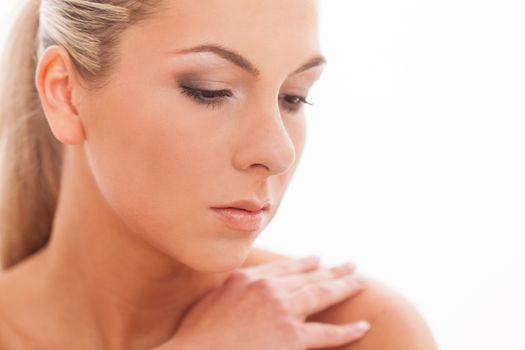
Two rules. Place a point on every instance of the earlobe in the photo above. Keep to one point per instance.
(54, 82)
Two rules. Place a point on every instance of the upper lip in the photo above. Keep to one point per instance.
(248, 205)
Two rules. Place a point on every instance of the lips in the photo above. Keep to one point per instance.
(246, 216)
(247, 205)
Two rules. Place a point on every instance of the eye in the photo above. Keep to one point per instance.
(294, 103)
(210, 98)
(214, 98)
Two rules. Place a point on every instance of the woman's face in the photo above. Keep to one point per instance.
(162, 158)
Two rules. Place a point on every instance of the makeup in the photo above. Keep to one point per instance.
(240, 219)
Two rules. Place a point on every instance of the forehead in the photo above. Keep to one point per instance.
(269, 32)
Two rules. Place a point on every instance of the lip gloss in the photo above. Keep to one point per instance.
(239, 219)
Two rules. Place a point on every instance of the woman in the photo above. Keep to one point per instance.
(145, 146)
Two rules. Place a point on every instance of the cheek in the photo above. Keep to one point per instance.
(296, 127)
(154, 162)
(298, 131)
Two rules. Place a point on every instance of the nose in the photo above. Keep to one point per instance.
(264, 143)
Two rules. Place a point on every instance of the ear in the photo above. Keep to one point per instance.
(54, 80)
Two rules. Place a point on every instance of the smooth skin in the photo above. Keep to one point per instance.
(396, 322)
(270, 299)
(134, 243)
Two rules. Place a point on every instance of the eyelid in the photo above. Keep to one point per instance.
(229, 93)
(218, 97)
(200, 89)
(205, 83)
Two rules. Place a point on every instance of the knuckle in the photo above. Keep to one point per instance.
(292, 329)
(270, 295)
(281, 306)
(264, 286)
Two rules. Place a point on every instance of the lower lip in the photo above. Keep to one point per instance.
(242, 220)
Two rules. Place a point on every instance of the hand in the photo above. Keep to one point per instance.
(264, 307)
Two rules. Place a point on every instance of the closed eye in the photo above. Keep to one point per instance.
(210, 98)
(214, 98)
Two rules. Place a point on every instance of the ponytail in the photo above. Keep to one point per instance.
(30, 156)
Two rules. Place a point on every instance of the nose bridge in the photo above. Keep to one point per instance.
(264, 140)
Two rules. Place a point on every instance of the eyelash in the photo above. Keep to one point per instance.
(214, 98)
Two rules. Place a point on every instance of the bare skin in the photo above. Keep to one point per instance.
(134, 241)
(218, 317)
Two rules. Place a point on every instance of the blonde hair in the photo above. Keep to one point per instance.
(30, 155)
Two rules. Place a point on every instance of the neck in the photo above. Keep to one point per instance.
(122, 291)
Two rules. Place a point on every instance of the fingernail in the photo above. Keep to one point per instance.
(362, 326)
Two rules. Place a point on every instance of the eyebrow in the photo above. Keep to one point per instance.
(243, 62)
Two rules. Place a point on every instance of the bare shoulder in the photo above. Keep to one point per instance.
(9, 338)
(396, 323)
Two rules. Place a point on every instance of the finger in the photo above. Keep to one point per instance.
(284, 267)
(322, 335)
(292, 283)
(316, 297)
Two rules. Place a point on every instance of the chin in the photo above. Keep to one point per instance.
(219, 261)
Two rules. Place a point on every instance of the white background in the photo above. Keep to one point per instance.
(415, 162)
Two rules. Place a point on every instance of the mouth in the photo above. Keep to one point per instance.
(242, 216)
(247, 205)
